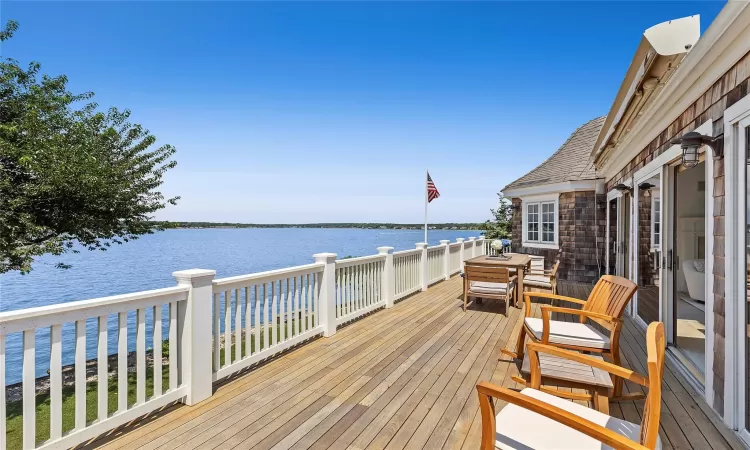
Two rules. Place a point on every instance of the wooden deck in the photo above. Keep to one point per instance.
(400, 378)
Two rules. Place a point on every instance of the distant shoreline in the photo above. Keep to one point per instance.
(368, 226)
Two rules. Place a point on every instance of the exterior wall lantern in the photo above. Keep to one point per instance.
(623, 188)
(646, 188)
(692, 141)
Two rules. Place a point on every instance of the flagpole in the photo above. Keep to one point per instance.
(425, 205)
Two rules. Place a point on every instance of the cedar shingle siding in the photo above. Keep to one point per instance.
(582, 230)
(728, 90)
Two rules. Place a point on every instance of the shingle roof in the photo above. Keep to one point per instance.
(571, 162)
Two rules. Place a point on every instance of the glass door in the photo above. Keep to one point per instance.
(648, 247)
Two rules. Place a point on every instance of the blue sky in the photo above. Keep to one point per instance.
(328, 112)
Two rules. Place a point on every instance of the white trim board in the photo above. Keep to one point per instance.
(735, 165)
(555, 188)
(723, 44)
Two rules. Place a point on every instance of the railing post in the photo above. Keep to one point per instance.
(461, 252)
(327, 300)
(423, 262)
(473, 242)
(446, 259)
(388, 282)
(194, 331)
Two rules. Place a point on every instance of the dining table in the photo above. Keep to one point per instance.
(517, 261)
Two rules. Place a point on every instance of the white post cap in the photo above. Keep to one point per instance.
(444, 242)
(460, 239)
(325, 257)
(421, 245)
(194, 276)
(472, 238)
(385, 250)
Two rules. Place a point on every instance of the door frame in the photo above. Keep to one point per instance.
(665, 163)
(736, 118)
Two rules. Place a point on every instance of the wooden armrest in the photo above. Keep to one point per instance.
(534, 347)
(554, 297)
(546, 309)
(527, 299)
(487, 391)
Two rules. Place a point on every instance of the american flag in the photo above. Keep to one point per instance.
(432, 192)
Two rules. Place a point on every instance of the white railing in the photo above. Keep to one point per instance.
(259, 315)
(359, 287)
(212, 328)
(454, 258)
(406, 270)
(109, 314)
(435, 264)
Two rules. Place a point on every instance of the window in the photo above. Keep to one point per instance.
(540, 222)
(532, 220)
(656, 223)
(548, 222)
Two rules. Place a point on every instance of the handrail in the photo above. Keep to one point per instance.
(359, 260)
(228, 283)
(416, 251)
(44, 316)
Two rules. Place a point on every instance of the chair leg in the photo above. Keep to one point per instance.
(518, 354)
(617, 394)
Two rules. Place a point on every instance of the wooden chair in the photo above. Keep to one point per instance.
(536, 420)
(488, 282)
(605, 307)
(546, 280)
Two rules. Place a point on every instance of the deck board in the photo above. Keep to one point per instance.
(401, 378)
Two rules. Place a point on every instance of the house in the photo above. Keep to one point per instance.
(633, 194)
(558, 208)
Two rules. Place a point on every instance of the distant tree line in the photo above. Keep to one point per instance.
(384, 226)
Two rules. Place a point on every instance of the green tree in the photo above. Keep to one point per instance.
(500, 225)
(69, 173)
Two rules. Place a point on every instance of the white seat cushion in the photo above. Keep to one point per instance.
(483, 287)
(521, 429)
(569, 333)
(537, 280)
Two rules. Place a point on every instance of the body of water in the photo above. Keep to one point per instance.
(148, 263)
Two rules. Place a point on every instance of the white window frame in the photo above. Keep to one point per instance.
(539, 200)
(656, 242)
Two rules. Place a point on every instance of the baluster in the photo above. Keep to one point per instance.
(122, 362)
(256, 312)
(173, 346)
(157, 342)
(348, 296)
(217, 332)
(285, 309)
(237, 326)
(292, 318)
(102, 382)
(339, 297)
(55, 382)
(310, 296)
(80, 375)
(227, 328)
(299, 315)
(274, 325)
(29, 389)
(248, 341)
(266, 332)
(140, 357)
